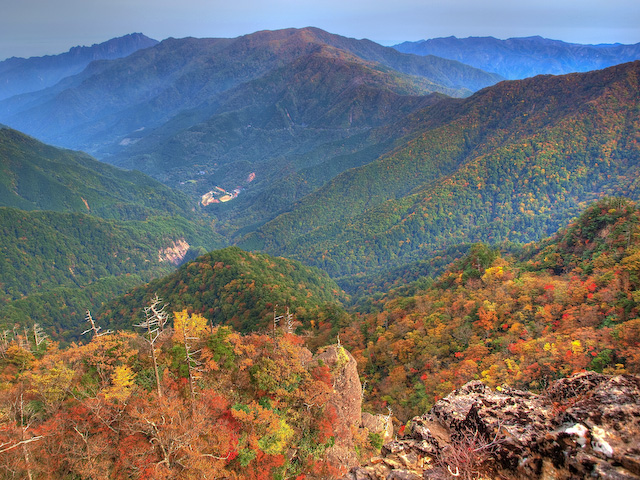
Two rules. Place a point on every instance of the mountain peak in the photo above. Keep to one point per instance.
(118, 45)
(23, 75)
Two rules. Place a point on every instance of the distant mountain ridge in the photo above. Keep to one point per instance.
(96, 110)
(22, 75)
(283, 105)
(295, 127)
(517, 58)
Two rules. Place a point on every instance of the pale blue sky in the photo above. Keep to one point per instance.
(40, 27)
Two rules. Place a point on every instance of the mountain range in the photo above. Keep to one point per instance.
(485, 231)
(339, 153)
(178, 76)
(201, 113)
(513, 162)
(23, 75)
(517, 58)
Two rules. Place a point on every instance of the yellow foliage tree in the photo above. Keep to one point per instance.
(53, 384)
(195, 325)
(104, 353)
(121, 384)
(269, 432)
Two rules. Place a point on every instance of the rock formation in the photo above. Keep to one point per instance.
(346, 402)
(585, 426)
(378, 424)
(175, 252)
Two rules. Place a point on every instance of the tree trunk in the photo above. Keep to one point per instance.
(155, 369)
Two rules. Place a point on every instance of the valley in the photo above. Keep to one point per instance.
(271, 234)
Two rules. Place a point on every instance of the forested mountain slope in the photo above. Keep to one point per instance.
(516, 58)
(274, 114)
(565, 304)
(54, 265)
(294, 129)
(512, 162)
(201, 399)
(237, 288)
(256, 407)
(36, 176)
(85, 232)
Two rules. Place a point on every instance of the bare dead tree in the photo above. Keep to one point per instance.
(6, 446)
(289, 318)
(276, 319)
(15, 334)
(93, 327)
(23, 340)
(25, 424)
(387, 418)
(156, 319)
(38, 335)
(4, 341)
(193, 365)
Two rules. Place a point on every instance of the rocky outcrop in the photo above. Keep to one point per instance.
(601, 425)
(175, 252)
(585, 426)
(350, 425)
(345, 402)
(381, 425)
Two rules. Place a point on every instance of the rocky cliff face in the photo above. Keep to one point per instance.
(175, 252)
(346, 402)
(585, 426)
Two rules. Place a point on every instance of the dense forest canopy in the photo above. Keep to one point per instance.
(174, 396)
(559, 306)
(514, 162)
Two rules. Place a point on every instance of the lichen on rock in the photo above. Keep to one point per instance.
(584, 426)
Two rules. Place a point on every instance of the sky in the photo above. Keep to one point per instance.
(44, 27)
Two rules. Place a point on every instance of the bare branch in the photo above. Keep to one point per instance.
(469, 453)
(22, 442)
(209, 455)
(94, 328)
(156, 318)
(38, 334)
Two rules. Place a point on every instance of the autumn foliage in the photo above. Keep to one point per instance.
(257, 405)
(556, 307)
(93, 411)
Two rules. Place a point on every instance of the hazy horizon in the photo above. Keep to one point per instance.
(40, 27)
